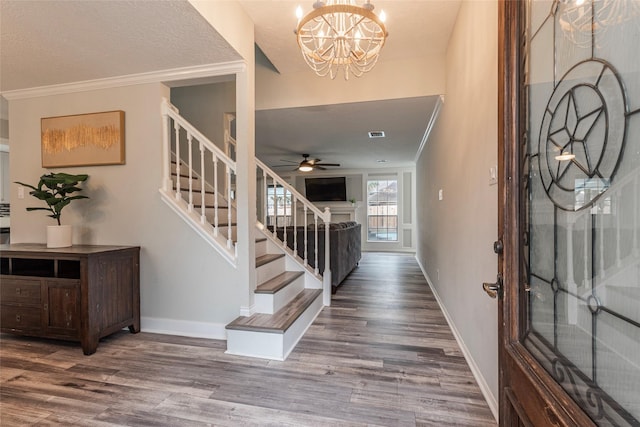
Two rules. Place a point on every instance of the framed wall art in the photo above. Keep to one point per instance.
(83, 140)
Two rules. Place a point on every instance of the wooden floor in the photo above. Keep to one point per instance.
(381, 355)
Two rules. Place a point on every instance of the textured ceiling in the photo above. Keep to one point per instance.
(54, 42)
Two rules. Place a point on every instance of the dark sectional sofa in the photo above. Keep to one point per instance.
(346, 248)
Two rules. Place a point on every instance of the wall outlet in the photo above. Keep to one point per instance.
(440, 194)
(20, 192)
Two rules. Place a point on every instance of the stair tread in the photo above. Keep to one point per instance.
(267, 258)
(273, 285)
(195, 190)
(198, 205)
(226, 224)
(184, 175)
(280, 321)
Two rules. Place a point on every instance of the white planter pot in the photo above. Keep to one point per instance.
(58, 236)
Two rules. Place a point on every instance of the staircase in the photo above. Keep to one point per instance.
(199, 185)
(287, 300)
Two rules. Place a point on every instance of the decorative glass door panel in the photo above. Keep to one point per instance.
(582, 185)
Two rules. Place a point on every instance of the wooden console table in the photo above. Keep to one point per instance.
(81, 293)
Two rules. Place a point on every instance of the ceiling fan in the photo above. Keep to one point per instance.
(307, 164)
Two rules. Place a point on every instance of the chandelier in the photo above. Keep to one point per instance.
(339, 35)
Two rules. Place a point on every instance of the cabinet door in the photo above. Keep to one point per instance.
(62, 307)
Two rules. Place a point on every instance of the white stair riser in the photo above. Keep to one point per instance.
(222, 215)
(224, 230)
(261, 248)
(184, 182)
(270, 303)
(269, 270)
(271, 345)
(209, 199)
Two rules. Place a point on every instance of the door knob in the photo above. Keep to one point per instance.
(494, 290)
(498, 247)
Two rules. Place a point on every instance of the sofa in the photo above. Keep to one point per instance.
(345, 242)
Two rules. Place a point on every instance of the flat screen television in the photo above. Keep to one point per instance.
(326, 189)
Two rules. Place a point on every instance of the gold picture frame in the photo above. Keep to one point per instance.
(91, 139)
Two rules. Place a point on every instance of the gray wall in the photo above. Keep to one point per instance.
(204, 107)
(456, 234)
(186, 287)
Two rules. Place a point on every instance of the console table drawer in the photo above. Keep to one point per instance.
(21, 291)
(20, 318)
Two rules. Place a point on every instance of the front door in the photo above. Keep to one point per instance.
(570, 212)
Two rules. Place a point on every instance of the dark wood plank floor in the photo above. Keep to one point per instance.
(381, 355)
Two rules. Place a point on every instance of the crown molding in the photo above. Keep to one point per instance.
(162, 76)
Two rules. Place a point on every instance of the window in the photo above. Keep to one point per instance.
(278, 206)
(382, 210)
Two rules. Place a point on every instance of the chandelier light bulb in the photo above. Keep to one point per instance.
(383, 16)
(299, 13)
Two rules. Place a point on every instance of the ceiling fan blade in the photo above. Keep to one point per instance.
(328, 164)
(320, 168)
(288, 161)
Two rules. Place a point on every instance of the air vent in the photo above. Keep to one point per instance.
(376, 134)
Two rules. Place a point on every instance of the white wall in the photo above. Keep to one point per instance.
(186, 287)
(204, 107)
(420, 77)
(456, 234)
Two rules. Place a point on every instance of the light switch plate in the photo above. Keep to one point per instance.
(493, 175)
(440, 194)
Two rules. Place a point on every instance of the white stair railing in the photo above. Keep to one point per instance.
(207, 167)
(229, 140)
(287, 202)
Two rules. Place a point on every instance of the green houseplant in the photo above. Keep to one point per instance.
(55, 190)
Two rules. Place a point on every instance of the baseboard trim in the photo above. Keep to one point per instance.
(475, 370)
(247, 311)
(185, 328)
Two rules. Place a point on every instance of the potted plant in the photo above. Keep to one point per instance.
(55, 190)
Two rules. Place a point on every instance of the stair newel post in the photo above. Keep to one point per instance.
(315, 242)
(326, 275)
(295, 224)
(190, 147)
(216, 194)
(275, 208)
(306, 239)
(203, 215)
(229, 225)
(265, 197)
(166, 147)
(284, 217)
(176, 127)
